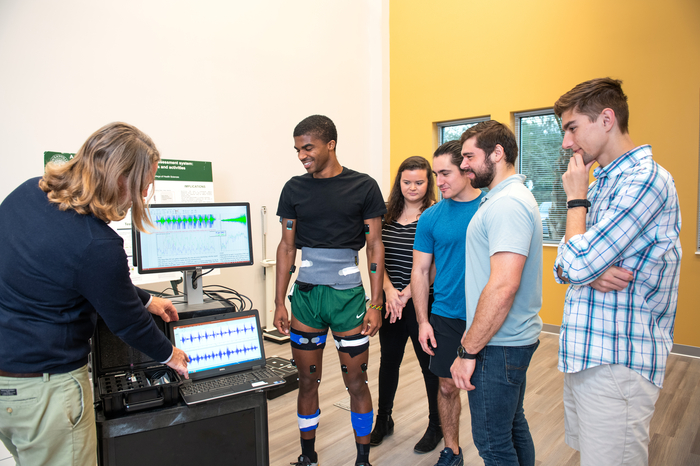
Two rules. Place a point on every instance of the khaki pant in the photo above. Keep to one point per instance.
(607, 414)
(49, 420)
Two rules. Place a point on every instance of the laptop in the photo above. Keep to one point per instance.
(227, 356)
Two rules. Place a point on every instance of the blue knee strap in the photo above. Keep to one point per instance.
(307, 423)
(307, 340)
(362, 423)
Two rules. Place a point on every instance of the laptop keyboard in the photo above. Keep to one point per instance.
(233, 380)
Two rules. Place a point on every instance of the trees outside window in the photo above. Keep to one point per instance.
(452, 130)
(543, 161)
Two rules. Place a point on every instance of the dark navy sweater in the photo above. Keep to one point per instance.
(57, 269)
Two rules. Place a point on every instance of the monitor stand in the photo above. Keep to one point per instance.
(193, 286)
(195, 304)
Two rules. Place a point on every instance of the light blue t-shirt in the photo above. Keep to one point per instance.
(507, 221)
(440, 232)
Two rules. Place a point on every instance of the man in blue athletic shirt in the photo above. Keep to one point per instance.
(329, 213)
(440, 236)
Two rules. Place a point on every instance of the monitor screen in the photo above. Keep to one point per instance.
(188, 236)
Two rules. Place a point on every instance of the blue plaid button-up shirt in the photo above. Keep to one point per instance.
(634, 223)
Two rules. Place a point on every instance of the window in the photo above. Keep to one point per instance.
(452, 130)
(543, 161)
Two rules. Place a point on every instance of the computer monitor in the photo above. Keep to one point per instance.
(193, 237)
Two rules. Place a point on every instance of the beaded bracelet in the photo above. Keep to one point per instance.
(379, 308)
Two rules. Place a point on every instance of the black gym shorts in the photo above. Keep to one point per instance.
(448, 334)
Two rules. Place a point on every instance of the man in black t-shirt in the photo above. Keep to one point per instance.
(329, 213)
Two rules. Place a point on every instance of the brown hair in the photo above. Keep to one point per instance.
(592, 97)
(396, 200)
(491, 133)
(454, 150)
(89, 183)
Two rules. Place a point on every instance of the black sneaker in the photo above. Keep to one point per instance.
(362, 464)
(448, 458)
(304, 461)
(430, 440)
(382, 428)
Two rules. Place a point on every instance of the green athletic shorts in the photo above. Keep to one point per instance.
(323, 307)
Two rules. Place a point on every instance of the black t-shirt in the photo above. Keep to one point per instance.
(330, 212)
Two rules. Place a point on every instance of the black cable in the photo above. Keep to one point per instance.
(194, 279)
(175, 298)
(158, 374)
(162, 293)
(245, 301)
(215, 297)
(236, 302)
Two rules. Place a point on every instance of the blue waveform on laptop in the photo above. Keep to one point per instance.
(228, 353)
(220, 332)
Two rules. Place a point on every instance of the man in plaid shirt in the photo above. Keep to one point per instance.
(621, 258)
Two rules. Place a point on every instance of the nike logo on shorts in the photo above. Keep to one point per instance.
(359, 316)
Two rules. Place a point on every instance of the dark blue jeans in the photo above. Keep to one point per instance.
(499, 428)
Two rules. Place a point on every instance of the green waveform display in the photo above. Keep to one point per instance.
(187, 221)
(240, 219)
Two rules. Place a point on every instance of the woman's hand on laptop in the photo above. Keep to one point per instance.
(179, 362)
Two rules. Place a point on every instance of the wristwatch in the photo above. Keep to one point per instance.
(462, 353)
(578, 203)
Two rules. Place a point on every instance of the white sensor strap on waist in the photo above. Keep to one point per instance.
(349, 270)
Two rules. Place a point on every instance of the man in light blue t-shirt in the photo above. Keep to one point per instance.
(440, 236)
(504, 296)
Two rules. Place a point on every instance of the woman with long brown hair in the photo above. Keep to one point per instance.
(61, 263)
(412, 193)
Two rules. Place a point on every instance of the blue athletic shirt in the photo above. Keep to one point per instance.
(442, 232)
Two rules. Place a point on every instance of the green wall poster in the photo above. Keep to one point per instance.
(183, 181)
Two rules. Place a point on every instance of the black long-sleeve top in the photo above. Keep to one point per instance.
(57, 270)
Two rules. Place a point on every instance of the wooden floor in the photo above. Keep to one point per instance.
(675, 428)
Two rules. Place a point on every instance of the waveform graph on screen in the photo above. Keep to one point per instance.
(177, 221)
(201, 236)
(219, 344)
(186, 244)
(235, 243)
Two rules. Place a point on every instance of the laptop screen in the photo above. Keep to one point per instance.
(220, 344)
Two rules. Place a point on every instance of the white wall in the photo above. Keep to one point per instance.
(217, 80)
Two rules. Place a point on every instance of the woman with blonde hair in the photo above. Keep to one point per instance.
(413, 192)
(61, 264)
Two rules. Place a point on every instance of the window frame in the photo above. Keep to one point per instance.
(466, 121)
(517, 117)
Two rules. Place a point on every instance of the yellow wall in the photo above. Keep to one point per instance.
(453, 59)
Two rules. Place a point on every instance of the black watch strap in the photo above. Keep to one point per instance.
(578, 203)
(462, 353)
